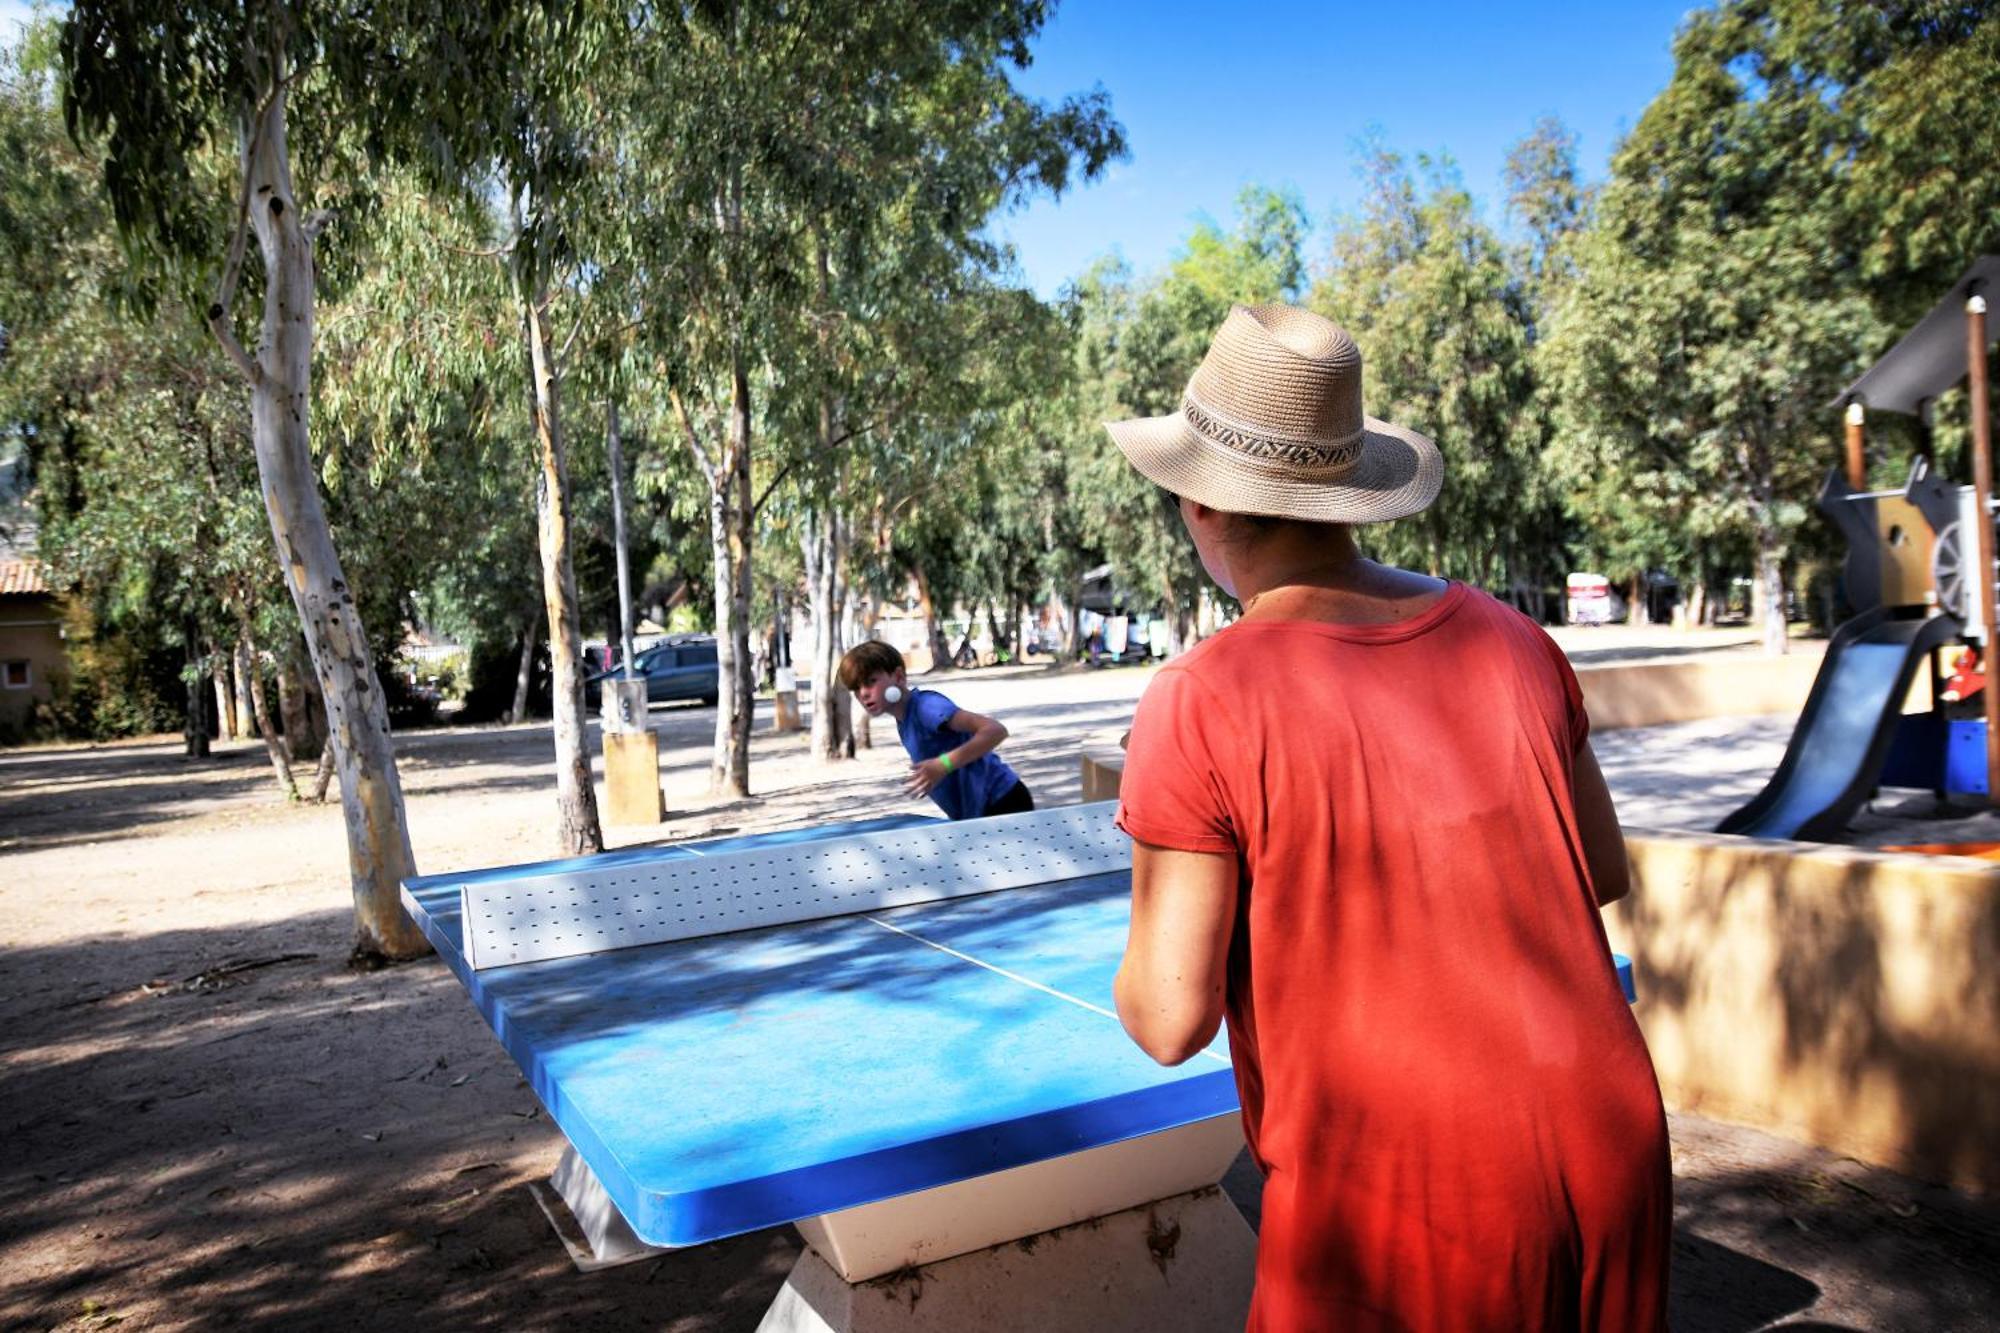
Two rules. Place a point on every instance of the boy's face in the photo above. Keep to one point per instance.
(870, 693)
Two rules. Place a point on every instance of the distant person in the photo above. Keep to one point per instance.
(951, 750)
(1369, 830)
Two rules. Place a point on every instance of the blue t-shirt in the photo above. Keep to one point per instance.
(965, 792)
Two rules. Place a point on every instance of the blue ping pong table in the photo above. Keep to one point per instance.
(908, 1084)
(913, 1085)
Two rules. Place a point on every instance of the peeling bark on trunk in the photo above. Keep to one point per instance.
(260, 716)
(378, 842)
(730, 516)
(1770, 593)
(225, 700)
(863, 610)
(578, 832)
(322, 775)
(300, 704)
(288, 709)
(244, 668)
(821, 547)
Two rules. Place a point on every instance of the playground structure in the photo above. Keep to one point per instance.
(1913, 576)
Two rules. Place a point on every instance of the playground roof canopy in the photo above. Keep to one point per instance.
(1931, 357)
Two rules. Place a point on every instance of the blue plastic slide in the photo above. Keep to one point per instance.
(1835, 756)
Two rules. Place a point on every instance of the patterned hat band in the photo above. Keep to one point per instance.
(1318, 455)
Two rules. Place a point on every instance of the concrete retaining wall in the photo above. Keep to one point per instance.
(1840, 997)
(1646, 694)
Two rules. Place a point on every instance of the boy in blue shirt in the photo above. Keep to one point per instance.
(951, 749)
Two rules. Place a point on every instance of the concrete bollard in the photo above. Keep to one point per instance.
(631, 757)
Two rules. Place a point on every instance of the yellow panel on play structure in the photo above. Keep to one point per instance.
(1906, 542)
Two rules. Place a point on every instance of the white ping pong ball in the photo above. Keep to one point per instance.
(893, 695)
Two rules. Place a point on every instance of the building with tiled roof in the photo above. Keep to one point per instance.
(21, 577)
(33, 656)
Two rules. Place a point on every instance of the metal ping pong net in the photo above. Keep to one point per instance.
(578, 910)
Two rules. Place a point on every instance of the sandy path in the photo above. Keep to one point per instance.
(299, 1144)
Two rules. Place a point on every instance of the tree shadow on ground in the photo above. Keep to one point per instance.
(325, 1149)
(313, 1148)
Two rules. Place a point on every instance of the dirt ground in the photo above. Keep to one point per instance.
(211, 1121)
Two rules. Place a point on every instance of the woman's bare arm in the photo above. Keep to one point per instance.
(1169, 988)
(1597, 822)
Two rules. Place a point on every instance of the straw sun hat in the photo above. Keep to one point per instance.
(1271, 423)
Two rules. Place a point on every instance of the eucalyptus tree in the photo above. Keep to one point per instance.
(1714, 314)
(809, 171)
(1426, 289)
(125, 420)
(1137, 343)
(158, 85)
(1911, 87)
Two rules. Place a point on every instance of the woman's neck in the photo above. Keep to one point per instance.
(1283, 580)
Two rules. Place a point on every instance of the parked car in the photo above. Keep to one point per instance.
(677, 669)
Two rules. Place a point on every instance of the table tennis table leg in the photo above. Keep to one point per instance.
(1131, 1237)
(590, 1226)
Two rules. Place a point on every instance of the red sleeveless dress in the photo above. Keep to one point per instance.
(1453, 1108)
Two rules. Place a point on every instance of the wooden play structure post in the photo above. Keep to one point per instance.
(1982, 491)
(1857, 455)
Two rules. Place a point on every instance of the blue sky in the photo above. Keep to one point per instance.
(1217, 96)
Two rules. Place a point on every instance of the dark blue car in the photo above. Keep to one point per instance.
(682, 669)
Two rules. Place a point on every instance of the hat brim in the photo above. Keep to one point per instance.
(1398, 473)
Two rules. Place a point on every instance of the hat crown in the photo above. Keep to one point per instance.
(1280, 377)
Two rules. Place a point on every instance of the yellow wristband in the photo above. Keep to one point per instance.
(945, 759)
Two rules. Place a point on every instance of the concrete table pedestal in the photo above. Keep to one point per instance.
(1132, 1236)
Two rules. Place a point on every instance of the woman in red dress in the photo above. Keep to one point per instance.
(1368, 829)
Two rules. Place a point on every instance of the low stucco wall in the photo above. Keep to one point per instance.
(1836, 996)
(1647, 694)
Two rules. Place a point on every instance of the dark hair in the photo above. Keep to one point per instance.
(867, 660)
(1256, 527)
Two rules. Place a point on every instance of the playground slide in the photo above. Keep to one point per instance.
(1835, 756)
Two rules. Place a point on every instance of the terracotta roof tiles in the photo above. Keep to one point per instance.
(22, 578)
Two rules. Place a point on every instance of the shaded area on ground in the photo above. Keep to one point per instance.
(303, 1145)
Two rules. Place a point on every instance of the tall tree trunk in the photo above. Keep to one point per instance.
(225, 693)
(245, 668)
(1071, 644)
(378, 842)
(322, 775)
(530, 636)
(578, 832)
(862, 610)
(821, 549)
(940, 650)
(730, 518)
(300, 705)
(1770, 592)
(194, 724)
(253, 686)
(288, 707)
(1003, 647)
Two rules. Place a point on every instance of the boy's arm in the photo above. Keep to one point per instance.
(983, 737)
(1169, 988)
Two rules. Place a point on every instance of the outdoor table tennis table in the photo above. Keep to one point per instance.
(915, 1080)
